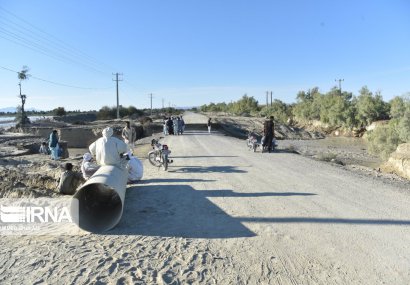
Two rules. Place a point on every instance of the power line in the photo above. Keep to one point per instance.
(39, 39)
(54, 39)
(29, 36)
(57, 83)
(13, 37)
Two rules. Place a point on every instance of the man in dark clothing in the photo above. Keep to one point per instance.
(269, 133)
(170, 126)
(69, 180)
(209, 125)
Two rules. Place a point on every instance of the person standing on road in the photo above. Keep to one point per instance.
(209, 125)
(165, 126)
(175, 124)
(183, 125)
(179, 122)
(269, 133)
(170, 126)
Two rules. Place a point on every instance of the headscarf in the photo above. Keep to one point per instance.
(87, 156)
(107, 133)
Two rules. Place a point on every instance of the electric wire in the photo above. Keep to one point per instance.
(61, 50)
(58, 83)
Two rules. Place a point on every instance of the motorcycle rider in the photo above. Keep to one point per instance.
(269, 133)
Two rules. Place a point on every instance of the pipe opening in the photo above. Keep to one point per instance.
(99, 207)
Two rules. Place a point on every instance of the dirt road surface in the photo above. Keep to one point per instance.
(225, 215)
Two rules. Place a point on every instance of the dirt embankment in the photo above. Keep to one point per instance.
(399, 161)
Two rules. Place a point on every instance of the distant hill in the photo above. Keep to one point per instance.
(186, 108)
(8, 110)
(13, 109)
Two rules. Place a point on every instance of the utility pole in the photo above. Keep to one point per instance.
(340, 85)
(271, 93)
(267, 100)
(150, 95)
(118, 100)
(163, 103)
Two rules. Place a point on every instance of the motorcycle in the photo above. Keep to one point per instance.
(252, 142)
(159, 156)
(265, 148)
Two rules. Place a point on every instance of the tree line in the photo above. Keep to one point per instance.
(337, 109)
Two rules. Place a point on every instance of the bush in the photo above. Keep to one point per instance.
(280, 110)
(60, 111)
(370, 107)
(403, 126)
(383, 140)
(107, 113)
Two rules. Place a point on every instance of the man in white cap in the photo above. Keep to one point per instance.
(108, 149)
(88, 168)
(135, 169)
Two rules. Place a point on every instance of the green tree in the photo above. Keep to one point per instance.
(370, 107)
(245, 106)
(308, 104)
(280, 110)
(397, 107)
(60, 111)
(106, 113)
(337, 109)
(384, 140)
(403, 126)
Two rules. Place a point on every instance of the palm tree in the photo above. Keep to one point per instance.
(23, 75)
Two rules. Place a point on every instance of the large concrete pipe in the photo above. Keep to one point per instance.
(101, 199)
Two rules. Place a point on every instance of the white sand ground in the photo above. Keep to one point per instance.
(223, 215)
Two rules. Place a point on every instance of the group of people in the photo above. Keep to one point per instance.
(107, 150)
(174, 125)
(52, 148)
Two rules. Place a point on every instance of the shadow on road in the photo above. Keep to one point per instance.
(181, 211)
(177, 211)
(230, 193)
(208, 169)
(204, 156)
(302, 220)
(171, 180)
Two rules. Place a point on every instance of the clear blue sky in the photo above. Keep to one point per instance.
(191, 52)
